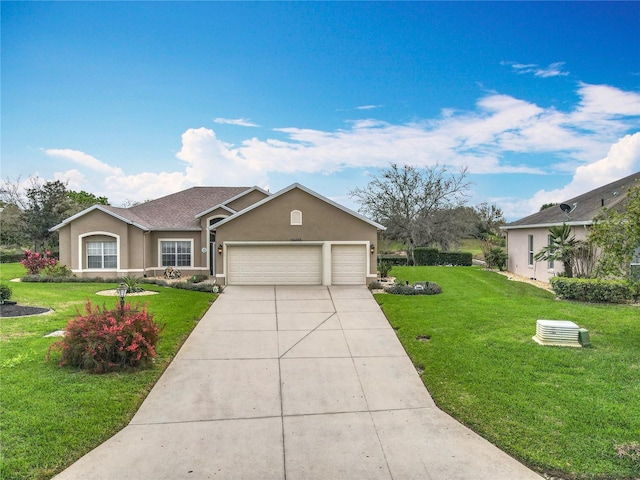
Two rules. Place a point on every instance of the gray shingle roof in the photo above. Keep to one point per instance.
(587, 205)
(178, 211)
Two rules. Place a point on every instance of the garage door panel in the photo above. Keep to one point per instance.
(275, 265)
(348, 264)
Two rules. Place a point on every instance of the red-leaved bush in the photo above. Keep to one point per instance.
(104, 340)
(35, 262)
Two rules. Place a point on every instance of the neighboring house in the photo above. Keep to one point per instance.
(240, 235)
(527, 236)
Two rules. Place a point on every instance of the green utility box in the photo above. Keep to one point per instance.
(583, 337)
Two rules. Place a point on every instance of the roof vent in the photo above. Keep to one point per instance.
(559, 332)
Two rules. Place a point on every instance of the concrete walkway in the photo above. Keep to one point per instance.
(295, 383)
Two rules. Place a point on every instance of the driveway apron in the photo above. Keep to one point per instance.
(295, 383)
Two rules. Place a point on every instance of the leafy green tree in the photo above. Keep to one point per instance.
(406, 200)
(82, 200)
(561, 248)
(12, 226)
(489, 220)
(547, 205)
(617, 234)
(47, 205)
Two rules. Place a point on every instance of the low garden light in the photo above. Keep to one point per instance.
(122, 292)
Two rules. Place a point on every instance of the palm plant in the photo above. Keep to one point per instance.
(562, 247)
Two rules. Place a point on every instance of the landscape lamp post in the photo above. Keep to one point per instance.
(122, 292)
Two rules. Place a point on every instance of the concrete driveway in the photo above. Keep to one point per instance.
(295, 383)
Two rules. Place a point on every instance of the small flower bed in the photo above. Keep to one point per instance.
(420, 288)
(102, 340)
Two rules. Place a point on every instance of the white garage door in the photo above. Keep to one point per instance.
(348, 264)
(274, 265)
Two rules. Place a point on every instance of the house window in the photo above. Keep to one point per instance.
(551, 249)
(531, 250)
(296, 217)
(102, 255)
(175, 253)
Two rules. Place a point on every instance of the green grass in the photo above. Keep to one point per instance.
(51, 416)
(472, 245)
(559, 410)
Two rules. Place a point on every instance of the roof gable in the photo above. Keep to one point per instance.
(119, 213)
(225, 204)
(306, 190)
(584, 207)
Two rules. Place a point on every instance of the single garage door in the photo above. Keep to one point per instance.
(274, 265)
(348, 264)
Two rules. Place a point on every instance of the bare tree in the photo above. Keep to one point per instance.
(406, 199)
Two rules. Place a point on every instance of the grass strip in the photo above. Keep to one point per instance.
(561, 411)
(51, 416)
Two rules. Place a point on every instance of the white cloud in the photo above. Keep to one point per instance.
(368, 107)
(499, 128)
(622, 160)
(552, 70)
(83, 159)
(242, 122)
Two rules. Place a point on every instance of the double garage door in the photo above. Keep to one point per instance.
(294, 265)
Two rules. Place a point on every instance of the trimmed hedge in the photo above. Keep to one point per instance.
(11, 257)
(434, 257)
(394, 260)
(592, 289)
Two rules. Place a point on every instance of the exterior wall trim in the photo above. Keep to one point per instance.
(326, 254)
(190, 240)
(80, 268)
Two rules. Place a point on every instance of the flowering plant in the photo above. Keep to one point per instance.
(35, 262)
(104, 340)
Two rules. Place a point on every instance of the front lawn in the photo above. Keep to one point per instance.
(50, 417)
(562, 411)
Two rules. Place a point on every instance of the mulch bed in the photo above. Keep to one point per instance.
(14, 310)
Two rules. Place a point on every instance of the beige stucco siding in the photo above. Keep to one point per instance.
(518, 250)
(322, 223)
(96, 226)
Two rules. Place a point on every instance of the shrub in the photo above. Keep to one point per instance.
(384, 267)
(496, 258)
(198, 278)
(57, 270)
(109, 340)
(132, 283)
(420, 288)
(5, 293)
(592, 289)
(394, 260)
(434, 257)
(35, 262)
(197, 287)
(375, 285)
(10, 257)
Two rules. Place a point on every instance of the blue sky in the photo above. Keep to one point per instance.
(540, 101)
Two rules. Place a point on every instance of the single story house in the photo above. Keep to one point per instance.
(527, 236)
(240, 235)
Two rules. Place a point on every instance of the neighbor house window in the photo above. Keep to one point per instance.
(175, 253)
(102, 255)
(531, 250)
(296, 217)
(551, 264)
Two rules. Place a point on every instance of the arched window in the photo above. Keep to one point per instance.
(296, 217)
